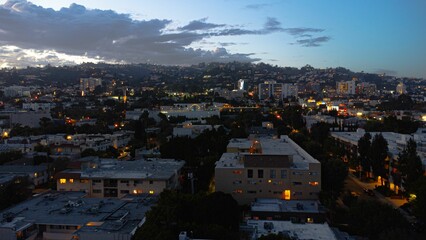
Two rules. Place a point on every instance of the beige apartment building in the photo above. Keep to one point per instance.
(112, 178)
(267, 168)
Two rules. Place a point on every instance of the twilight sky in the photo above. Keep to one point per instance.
(378, 36)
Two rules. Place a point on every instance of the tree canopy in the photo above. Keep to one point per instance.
(410, 164)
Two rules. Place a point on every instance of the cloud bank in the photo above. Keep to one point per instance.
(37, 35)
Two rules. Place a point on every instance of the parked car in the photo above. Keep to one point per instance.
(369, 192)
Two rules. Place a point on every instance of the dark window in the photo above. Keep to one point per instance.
(110, 192)
(260, 173)
(283, 173)
(272, 173)
(110, 183)
(250, 173)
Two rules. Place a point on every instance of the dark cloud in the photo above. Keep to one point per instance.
(313, 42)
(104, 35)
(302, 32)
(257, 6)
(272, 25)
(200, 25)
(236, 32)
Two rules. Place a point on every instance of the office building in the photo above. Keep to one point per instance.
(346, 87)
(271, 89)
(89, 84)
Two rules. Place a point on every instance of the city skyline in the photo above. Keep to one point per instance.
(371, 36)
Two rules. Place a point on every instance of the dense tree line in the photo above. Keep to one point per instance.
(211, 216)
(200, 153)
(16, 191)
(402, 102)
(373, 156)
(409, 166)
(392, 124)
(9, 156)
(333, 170)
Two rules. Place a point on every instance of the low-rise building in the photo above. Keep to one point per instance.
(113, 178)
(300, 211)
(267, 168)
(187, 129)
(69, 215)
(192, 110)
(38, 175)
(314, 231)
(24, 118)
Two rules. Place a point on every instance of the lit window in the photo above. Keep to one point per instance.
(35, 174)
(71, 180)
(287, 194)
(313, 183)
(151, 192)
(237, 172)
(62, 181)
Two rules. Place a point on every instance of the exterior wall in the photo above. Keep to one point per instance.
(96, 187)
(191, 114)
(39, 178)
(75, 185)
(104, 236)
(304, 217)
(37, 106)
(30, 119)
(7, 234)
(59, 232)
(302, 184)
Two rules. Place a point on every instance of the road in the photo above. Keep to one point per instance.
(353, 184)
(357, 185)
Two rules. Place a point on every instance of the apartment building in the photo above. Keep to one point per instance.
(112, 178)
(267, 168)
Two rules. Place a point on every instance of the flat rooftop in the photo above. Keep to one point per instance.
(140, 169)
(312, 231)
(73, 209)
(7, 177)
(22, 168)
(283, 146)
(395, 140)
(279, 205)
